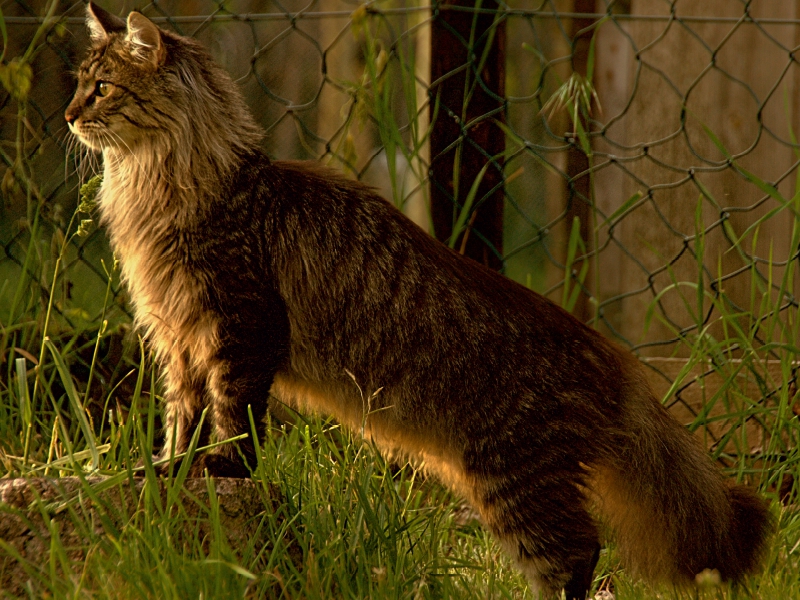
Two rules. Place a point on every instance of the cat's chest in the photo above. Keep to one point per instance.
(157, 253)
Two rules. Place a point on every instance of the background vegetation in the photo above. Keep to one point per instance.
(79, 395)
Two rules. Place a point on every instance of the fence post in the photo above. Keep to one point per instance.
(467, 98)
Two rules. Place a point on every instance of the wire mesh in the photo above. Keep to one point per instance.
(658, 203)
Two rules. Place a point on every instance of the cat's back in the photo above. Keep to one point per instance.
(344, 254)
(328, 220)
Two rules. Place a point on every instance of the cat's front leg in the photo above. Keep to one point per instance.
(186, 395)
(239, 381)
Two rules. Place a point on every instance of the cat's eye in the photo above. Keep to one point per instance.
(104, 88)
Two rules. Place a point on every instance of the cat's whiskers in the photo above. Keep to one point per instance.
(93, 160)
(71, 149)
(82, 156)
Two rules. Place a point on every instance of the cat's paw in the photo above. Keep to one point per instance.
(219, 465)
(140, 471)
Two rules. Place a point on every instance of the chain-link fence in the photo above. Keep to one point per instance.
(646, 151)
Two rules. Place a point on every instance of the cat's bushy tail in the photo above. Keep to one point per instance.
(673, 513)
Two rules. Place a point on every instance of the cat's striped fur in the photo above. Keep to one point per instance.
(249, 275)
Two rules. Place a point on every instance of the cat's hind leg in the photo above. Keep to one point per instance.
(532, 495)
(545, 528)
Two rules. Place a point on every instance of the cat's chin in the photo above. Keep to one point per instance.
(89, 142)
(92, 142)
(94, 146)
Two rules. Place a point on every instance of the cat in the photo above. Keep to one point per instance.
(250, 277)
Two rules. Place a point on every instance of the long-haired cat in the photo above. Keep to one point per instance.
(252, 277)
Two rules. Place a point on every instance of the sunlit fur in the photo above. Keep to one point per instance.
(166, 143)
(249, 276)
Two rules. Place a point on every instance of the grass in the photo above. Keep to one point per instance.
(362, 527)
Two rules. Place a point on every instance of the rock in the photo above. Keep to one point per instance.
(31, 510)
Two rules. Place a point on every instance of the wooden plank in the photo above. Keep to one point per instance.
(671, 78)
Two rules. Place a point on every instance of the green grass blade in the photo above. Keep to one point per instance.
(22, 391)
(575, 243)
(466, 209)
(74, 401)
(623, 208)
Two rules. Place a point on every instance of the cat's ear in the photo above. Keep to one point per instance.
(144, 38)
(102, 23)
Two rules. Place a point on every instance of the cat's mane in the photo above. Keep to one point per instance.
(206, 126)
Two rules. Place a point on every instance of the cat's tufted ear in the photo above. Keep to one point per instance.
(144, 38)
(102, 23)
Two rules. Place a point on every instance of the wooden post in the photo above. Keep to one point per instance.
(466, 103)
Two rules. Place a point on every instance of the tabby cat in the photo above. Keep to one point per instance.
(252, 277)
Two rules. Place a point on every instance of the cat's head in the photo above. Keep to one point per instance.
(140, 83)
(113, 104)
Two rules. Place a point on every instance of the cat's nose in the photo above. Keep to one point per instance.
(71, 115)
